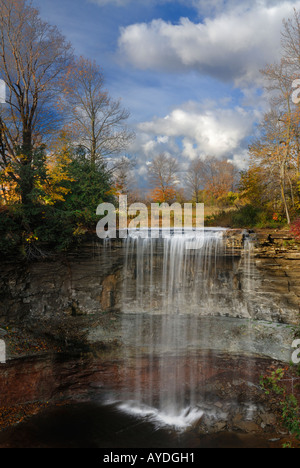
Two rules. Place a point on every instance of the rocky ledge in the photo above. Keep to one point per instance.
(58, 302)
(66, 304)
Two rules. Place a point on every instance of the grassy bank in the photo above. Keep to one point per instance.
(246, 217)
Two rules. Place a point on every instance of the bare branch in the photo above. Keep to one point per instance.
(98, 121)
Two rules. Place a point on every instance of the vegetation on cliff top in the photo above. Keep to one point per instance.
(64, 139)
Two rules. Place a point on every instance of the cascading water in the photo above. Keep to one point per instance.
(173, 275)
(169, 284)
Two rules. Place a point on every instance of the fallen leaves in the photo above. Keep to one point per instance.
(16, 414)
(10, 416)
(20, 343)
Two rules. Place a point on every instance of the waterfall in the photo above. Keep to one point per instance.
(168, 288)
(248, 263)
(172, 276)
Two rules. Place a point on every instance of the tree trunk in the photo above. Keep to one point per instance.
(283, 196)
(26, 169)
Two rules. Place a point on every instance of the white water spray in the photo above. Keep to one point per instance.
(167, 287)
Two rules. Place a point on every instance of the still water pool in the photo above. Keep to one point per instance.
(94, 425)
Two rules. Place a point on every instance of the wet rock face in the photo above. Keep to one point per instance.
(222, 344)
(81, 283)
(260, 284)
(272, 267)
(225, 389)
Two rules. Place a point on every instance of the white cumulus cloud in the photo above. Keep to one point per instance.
(202, 131)
(232, 45)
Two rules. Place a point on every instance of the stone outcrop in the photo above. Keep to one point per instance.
(226, 386)
(77, 299)
(69, 296)
(273, 268)
(77, 284)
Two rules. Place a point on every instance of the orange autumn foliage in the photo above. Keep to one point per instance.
(166, 195)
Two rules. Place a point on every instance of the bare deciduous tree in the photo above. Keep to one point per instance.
(212, 175)
(98, 121)
(194, 179)
(290, 40)
(124, 178)
(272, 151)
(33, 57)
(162, 176)
(280, 127)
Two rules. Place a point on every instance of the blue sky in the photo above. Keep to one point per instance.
(188, 71)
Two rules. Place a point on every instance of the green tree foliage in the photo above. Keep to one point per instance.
(89, 187)
(275, 386)
(51, 180)
(52, 221)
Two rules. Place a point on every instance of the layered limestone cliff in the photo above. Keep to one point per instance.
(94, 301)
(70, 296)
